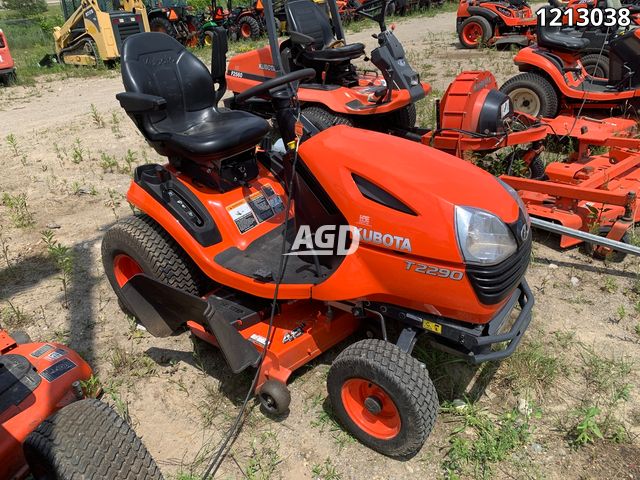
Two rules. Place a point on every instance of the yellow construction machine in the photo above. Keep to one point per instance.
(94, 30)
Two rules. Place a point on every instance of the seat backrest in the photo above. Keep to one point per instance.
(155, 64)
(307, 18)
(553, 38)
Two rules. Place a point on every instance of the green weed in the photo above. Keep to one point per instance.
(19, 212)
(62, 256)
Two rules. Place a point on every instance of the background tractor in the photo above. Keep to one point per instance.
(175, 18)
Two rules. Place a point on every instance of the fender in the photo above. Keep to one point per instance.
(528, 60)
(484, 12)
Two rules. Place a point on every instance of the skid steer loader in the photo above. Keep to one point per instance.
(95, 30)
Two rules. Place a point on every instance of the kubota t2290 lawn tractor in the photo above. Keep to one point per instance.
(275, 258)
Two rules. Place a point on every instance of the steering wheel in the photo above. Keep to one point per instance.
(304, 74)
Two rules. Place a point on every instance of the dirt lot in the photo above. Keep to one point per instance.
(575, 376)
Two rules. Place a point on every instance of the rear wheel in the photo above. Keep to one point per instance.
(249, 28)
(139, 245)
(383, 396)
(323, 118)
(596, 65)
(206, 39)
(162, 25)
(475, 31)
(532, 94)
(87, 439)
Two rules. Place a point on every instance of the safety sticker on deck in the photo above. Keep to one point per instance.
(41, 351)
(57, 354)
(259, 207)
(56, 370)
(242, 216)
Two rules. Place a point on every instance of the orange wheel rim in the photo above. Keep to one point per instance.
(371, 408)
(124, 268)
(245, 30)
(472, 33)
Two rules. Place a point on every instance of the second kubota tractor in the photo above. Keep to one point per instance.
(553, 79)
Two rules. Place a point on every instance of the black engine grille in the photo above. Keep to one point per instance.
(494, 283)
(127, 28)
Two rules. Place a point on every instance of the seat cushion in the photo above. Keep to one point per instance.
(348, 52)
(223, 134)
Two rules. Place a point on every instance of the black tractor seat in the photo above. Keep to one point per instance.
(316, 34)
(554, 38)
(170, 96)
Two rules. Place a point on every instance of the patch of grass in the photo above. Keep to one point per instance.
(12, 141)
(586, 429)
(479, 441)
(609, 285)
(96, 117)
(265, 457)
(126, 363)
(4, 248)
(77, 151)
(62, 256)
(19, 212)
(533, 366)
(108, 163)
(91, 387)
(636, 328)
(115, 125)
(325, 471)
(13, 316)
(325, 421)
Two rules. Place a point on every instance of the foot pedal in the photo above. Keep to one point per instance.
(263, 275)
(239, 352)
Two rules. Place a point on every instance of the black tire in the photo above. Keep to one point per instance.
(88, 440)
(391, 9)
(248, 28)
(596, 65)
(614, 256)
(159, 256)
(163, 25)
(401, 378)
(323, 118)
(533, 94)
(206, 38)
(536, 168)
(481, 23)
(274, 397)
(404, 118)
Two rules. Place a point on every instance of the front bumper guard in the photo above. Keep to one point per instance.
(474, 343)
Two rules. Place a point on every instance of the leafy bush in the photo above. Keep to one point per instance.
(26, 8)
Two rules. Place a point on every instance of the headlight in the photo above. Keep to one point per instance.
(483, 238)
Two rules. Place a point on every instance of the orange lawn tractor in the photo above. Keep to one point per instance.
(7, 66)
(339, 93)
(276, 257)
(495, 23)
(50, 429)
(554, 80)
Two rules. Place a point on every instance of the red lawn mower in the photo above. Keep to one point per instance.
(235, 243)
(49, 429)
(554, 80)
(495, 23)
(7, 66)
(337, 93)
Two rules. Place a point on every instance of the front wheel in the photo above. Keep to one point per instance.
(383, 397)
(474, 32)
(532, 94)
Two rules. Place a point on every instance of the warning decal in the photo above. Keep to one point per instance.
(243, 216)
(260, 207)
